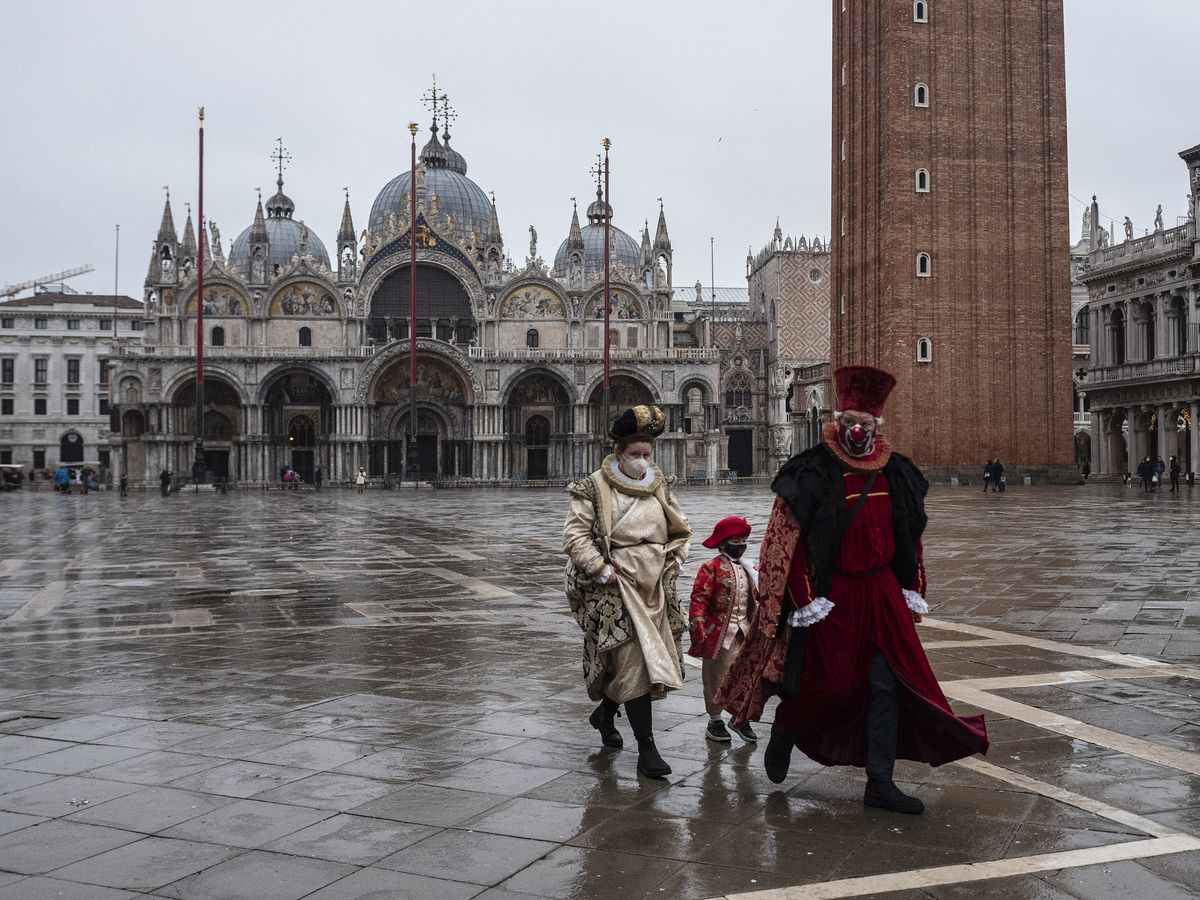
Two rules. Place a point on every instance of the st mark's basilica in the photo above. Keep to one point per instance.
(306, 353)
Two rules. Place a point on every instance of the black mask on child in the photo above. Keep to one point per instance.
(735, 551)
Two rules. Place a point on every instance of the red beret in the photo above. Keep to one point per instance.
(732, 527)
(863, 388)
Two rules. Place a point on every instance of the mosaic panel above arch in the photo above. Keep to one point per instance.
(304, 299)
(220, 300)
(436, 380)
(623, 306)
(533, 302)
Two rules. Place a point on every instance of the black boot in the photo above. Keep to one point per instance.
(603, 720)
(779, 753)
(641, 720)
(885, 795)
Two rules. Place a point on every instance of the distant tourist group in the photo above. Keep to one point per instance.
(826, 621)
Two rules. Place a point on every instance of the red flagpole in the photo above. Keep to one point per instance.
(607, 298)
(198, 463)
(412, 308)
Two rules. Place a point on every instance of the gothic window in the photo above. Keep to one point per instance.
(218, 337)
(923, 265)
(924, 350)
(1081, 326)
(920, 11)
(921, 95)
(305, 337)
(922, 181)
(531, 339)
(738, 394)
(302, 432)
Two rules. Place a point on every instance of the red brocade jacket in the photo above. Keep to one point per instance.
(713, 595)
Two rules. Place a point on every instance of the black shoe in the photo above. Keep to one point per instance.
(779, 754)
(746, 733)
(716, 731)
(885, 795)
(603, 720)
(649, 762)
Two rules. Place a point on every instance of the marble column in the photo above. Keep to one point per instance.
(1193, 463)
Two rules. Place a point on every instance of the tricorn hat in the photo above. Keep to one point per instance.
(727, 529)
(644, 422)
(863, 388)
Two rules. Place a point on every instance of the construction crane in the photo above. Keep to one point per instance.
(11, 290)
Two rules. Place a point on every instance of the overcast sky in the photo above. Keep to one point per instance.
(721, 109)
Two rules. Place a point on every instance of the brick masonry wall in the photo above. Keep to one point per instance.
(997, 306)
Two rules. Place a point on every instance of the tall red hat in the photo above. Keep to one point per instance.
(863, 388)
(727, 529)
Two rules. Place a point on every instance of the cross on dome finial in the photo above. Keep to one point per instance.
(281, 157)
(167, 188)
(432, 99)
(598, 171)
(259, 190)
(448, 116)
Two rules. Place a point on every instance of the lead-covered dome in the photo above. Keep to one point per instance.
(622, 249)
(284, 235)
(445, 176)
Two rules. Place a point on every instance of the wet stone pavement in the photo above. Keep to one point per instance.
(291, 695)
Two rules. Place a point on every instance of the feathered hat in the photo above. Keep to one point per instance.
(639, 422)
(863, 388)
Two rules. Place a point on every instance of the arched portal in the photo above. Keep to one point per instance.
(444, 423)
(71, 448)
(298, 420)
(537, 423)
(222, 427)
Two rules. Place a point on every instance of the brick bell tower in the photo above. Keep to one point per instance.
(951, 263)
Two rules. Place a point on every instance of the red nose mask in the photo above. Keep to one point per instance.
(857, 440)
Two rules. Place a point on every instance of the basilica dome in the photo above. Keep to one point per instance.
(283, 234)
(623, 250)
(445, 176)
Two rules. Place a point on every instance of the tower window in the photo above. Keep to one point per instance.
(920, 11)
(843, 306)
(924, 350)
(843, 148)
(532, 340)
(843, 224)
(843, 73)
(921, 95)
(923, 265)
(306, 337)
(922, 181)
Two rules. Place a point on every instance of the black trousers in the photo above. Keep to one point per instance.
(883, 718)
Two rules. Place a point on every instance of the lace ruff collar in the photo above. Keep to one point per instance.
(645, 486)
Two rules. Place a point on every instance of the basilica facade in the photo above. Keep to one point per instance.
(307, 352)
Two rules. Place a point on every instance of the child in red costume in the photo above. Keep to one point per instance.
(724, 597)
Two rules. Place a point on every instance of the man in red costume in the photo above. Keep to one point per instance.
(841, 588)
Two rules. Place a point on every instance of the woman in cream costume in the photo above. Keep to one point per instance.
(627, 538)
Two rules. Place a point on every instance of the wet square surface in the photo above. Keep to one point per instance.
(341, 696)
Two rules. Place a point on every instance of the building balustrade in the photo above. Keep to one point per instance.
(228, 351)
(595, 354)
(1160, 242)
(1155, 368)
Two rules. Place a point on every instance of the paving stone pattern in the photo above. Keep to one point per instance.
(286, 695)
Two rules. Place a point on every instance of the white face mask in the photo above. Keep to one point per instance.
(635, 467)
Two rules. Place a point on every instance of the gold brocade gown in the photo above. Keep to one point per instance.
(647, 535)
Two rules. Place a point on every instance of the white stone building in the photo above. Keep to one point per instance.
(54, 389)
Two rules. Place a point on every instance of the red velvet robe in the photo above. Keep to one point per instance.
(870, 613)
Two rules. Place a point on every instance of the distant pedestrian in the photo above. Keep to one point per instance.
(987, 475)
(62, 480)
(998, 482)
(361, 479)
(164, 482)
(1087, 470)
(1174, 474)
(1145, 472)
(284, 478)
(123, 486)
(318, 477)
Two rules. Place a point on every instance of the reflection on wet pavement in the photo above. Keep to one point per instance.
(343, 696)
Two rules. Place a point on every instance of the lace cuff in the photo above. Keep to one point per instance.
(811, 613)
(606, 576)
(916, 603)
